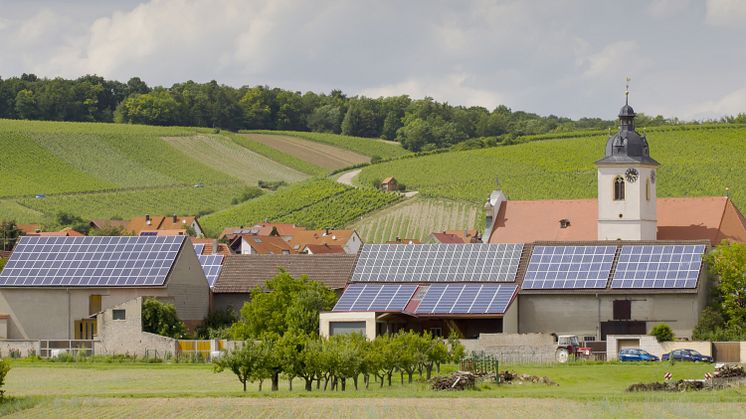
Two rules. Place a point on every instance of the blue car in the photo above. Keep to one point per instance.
(634, 354)
(687, 355)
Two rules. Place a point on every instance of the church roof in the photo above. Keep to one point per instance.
(627, 145)
(691, 218)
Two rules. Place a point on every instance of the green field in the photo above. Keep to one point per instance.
(694, 162)
(177, 390)
(366, 146)
(417, 217)
(317, 203)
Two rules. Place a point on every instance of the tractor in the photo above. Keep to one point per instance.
(570, 346)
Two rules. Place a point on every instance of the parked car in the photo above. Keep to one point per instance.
(687, 355)
(634, 354)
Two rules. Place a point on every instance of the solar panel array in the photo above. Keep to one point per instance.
(91, 261)
(568, 267)
(466, 299)
(198, 248)
(375, 297)
(658, 266)
(211, 265)
(438, 263)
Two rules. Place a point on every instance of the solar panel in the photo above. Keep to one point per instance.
(124, 261)
(375, 297)
(211, 265)
(568, 267)
(198, 248)
(438, 263)
(658, 266)
(466, 299)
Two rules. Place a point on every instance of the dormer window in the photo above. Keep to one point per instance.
(619, 188)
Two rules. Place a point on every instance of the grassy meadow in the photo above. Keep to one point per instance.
(366, 146)
(46, 389)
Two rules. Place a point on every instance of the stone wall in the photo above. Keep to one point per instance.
(127, 337)
(514, 348)
(24, 347)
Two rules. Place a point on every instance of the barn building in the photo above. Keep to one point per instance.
(53, 287)
(619, 264)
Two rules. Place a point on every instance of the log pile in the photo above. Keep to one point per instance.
(729, 371)
(461, 380)
(680, 385)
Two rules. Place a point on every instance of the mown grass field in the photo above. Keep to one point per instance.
(319, 154)
(178, 390)
(694, 162)
(417, 217)
(366, 146)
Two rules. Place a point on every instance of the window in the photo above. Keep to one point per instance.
(589, 338)
(647, 189)
(94, 304)
(619, 189)
(622, 310)
(118, 314)
(343, 328)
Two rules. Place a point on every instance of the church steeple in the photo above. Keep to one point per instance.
(626, 183)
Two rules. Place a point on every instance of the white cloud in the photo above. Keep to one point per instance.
(613, 59)
(454, 88)
(667, 8)
(726, 13)
(36, 28)
(732, 103)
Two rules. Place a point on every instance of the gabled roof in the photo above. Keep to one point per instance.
(457, 236)
(388, 179)
(159, 222)
(68, 232)
(303, 238)
(243, 273)
(324, 248)
(108, 223)
(91, 262)
(29, 228)
(266, 245)
(691, 218)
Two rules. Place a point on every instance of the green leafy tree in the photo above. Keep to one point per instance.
(9, 234)
(662, 332)
(283, 303)
(245, 362)
(728, 262)
(4, 369)
(25, 104)
(160, 318)
(436, 353)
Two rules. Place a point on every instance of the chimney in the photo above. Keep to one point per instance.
(327, 232)
(398, 239)
(215, 247)
(147, 219)
(175, 218)
(564, 223)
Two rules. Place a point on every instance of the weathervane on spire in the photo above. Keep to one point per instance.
(626, 90)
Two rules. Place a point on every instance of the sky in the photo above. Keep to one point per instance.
(685, 58)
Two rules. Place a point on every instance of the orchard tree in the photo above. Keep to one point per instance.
(245, 362)
(728, 262)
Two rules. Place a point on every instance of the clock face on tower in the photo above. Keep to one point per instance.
(652, 176)
(631, 174)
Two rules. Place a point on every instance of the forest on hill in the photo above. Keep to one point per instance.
(418, 124)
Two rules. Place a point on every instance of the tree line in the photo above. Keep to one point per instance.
(418, 124)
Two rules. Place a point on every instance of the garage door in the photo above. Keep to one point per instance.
(341, 328)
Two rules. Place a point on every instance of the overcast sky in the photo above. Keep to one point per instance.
(569, 58)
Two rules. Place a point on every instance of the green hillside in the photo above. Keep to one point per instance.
(366, 146)
(694, 161)
(317, 203)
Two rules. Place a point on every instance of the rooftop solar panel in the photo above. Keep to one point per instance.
(569, 267)
(124, 261)
(658, 266)
(375, 297)
(466, 299)
(438, 263)
(211, 265)
(198, 248)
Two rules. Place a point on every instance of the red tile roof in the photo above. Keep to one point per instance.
(324, 248)
(690, 218)
(159, 222)
(223, 248)
(243, 273)
(266, 245)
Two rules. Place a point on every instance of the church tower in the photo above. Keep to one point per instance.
(626, 184)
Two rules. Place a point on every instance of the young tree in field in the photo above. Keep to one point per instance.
(728, 262)
(350, 356)
(389, 352)
(436, 353)
(160, 318)
(284, 303)
(244, 362)
(456, 350)
(300, 357)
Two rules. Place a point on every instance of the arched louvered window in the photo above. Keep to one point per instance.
(619, 189)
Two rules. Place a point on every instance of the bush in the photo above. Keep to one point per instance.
(377, 183)
(376, 159)
(4, 368)
(160, 318)
(662, 333)
(271, 185)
